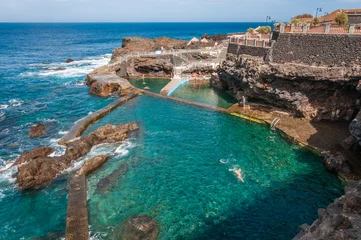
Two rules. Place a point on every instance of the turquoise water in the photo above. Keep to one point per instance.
(205, 94)
(175, 140)
(179, 173)
(154, 84)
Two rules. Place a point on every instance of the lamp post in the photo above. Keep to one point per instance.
(273, 24)
(313, 20)
(267, 18)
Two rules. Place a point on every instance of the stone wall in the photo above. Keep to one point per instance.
(319, 49)
(247, 50)
(354, 19)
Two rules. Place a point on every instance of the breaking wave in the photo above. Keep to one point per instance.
(65, 70)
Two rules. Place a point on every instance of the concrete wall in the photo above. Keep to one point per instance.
(332, 49)
(248, 50)
(354, 19)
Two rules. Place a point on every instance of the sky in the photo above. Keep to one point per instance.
(163, 10)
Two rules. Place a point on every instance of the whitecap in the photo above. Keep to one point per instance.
(48, 120)
(74, 69)
(123, 149)
(63, 132)
(4, 106)
(16, 102)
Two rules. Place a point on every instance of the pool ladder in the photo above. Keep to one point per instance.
(274, 122)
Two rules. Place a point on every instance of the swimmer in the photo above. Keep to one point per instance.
(238, 172)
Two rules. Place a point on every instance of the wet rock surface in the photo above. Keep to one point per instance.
(42, 170)
(92, 164)
(37, 130)
(139, 228)
(69, 60)
(37, 152)
(341, 219)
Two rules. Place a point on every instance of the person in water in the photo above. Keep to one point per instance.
(238, 172)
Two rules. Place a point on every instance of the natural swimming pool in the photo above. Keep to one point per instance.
(205, 94)
(178, 172)
(150, 84)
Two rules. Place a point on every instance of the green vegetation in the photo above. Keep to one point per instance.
(250, 30)
(305, 15)
(316, 21)
(264, 30)
(341, 18)
(295, 21)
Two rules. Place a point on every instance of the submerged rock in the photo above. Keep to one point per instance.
(341, 219)
(38, 130)
(139, 228)
(54, 235)
(92, 164)
(107, 183)
(40, 169)
(41, 151)
(69, 60)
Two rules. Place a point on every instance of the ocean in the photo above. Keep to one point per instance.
(180, 164)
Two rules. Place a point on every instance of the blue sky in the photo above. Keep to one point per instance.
(161, 10)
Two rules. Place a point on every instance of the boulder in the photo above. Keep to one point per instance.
(69, 60)
(105, 84)
(38, 169)
(355, 128)
(37, 152)
(37, 130)
(92, 164)
(139, 228)
(336, 162)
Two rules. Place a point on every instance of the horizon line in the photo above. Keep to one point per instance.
(137, 22)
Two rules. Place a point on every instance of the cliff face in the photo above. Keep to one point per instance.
(320, 93)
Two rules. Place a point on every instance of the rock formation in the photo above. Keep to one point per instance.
(103, 85)
(318, 93)
(37, 152)
(139, 228)
(92, 164)
(38, 169)
(69, 60)
(341, 219)
(37, 130)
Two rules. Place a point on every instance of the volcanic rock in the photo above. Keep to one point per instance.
(341, 219)
(38, 152)
(139, 228)
(92, 164)
(42, 170)
(37, 130)
(107, 83)
(336, 162)
(69, 60)
(355, 128)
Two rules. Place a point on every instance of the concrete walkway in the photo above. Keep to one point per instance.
(77, 226)
(81, 125)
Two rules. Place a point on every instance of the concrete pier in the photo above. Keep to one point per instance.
(80, 126)
(77, 226)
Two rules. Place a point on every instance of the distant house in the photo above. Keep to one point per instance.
(354, 16)
(193, 40)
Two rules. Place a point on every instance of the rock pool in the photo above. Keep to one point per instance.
(177, 170)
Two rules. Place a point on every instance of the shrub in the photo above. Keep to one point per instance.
(264, 29)
(305, 15)
(316, 21)
(295, 21)
(250, 30)
(341, 18)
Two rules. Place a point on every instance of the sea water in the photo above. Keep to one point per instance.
(179, 164)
